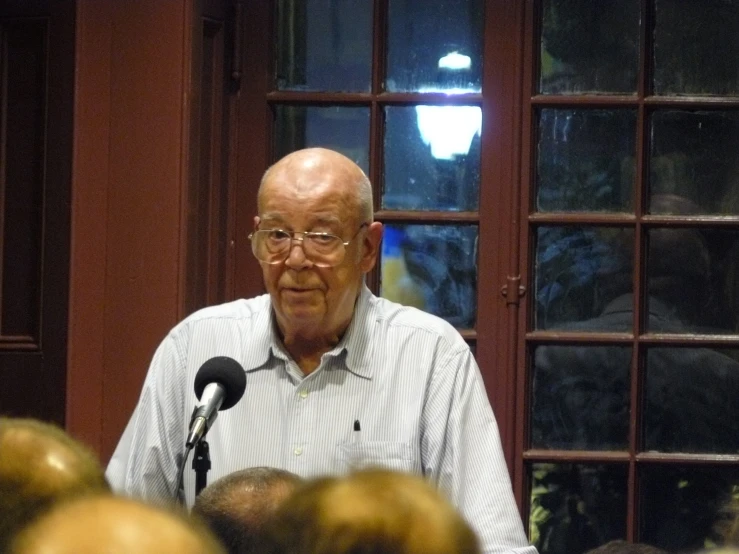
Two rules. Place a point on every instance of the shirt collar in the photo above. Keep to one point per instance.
(357, 341)
(262, 333)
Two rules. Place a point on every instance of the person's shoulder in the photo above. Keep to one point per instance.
(238, 310)
(397, 317)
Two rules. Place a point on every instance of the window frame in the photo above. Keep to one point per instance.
(645, 103)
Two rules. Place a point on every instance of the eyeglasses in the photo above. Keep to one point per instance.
(273, 246)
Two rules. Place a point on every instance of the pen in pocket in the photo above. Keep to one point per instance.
(357, 435)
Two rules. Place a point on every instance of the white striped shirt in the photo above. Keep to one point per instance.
(407, 376)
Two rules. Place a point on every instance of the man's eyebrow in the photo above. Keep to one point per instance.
(272, 215)
(320, 219)
(327, 220)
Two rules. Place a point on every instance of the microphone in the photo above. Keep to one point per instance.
(219, 385)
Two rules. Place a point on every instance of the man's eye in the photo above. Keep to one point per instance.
(278, 234)
(320, 238)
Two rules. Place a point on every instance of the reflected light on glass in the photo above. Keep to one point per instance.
(449, 130)
(455, 61)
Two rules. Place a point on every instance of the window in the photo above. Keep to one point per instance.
(632, 354)
(559, 179)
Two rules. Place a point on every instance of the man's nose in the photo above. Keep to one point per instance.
(296, 259)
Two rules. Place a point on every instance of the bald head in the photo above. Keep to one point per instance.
(369, 511)
(40, 465)
(114, 524)
(303, 170)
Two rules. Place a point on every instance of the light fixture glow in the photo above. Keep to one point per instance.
(449, 130)
(455, 61)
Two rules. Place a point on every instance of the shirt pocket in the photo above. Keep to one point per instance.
(397, 456)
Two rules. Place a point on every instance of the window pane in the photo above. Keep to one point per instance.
(324, 45)
(432, 267)
(576, 507)
(692, 400)
(583, 278)
(585, 160)
(432, 158)
(580, 397)
(696, 47)
(680, 506)
(694, 155)
(589, 47)
(434, 46)
(343, 129)
(692, 280)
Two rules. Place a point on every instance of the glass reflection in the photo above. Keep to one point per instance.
(428, 40)
(584, 278)
(589, 47)
(693, 155)
(585, 160)
(576, 507)
(432, 267)
(449, 130)
(345, 130)
(692, 400)
(692, 278)
(432, 158)
(580, 397)
(682, 507)
(696, 45)
(323, 45)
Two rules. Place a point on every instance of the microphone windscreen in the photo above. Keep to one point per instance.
(228, 373)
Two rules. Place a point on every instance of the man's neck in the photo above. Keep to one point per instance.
(307, 350)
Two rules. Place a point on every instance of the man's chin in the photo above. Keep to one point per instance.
(303, 314)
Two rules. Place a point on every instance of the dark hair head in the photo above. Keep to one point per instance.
(624, 547)
(237, 506)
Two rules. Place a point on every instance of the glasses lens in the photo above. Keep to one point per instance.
(272, 246)
(323, 250)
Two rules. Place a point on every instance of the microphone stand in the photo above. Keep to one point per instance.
(201, 465)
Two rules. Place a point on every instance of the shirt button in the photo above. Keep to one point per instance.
(303, 393)
(298, 451)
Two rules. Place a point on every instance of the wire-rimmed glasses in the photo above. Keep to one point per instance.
(273, 246)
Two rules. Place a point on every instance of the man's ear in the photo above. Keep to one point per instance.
(256, 222)
(371, 246)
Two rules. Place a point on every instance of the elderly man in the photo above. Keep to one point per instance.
(337, 378)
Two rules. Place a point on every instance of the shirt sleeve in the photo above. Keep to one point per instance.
(462, 453)
(145, 462)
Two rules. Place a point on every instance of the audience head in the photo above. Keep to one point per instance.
(114, 524)
(732, 535)
(676, 255)
(727, 526)
(678, 259)
(40, 465)
(238, 506)
(624, 547)
(369, 512)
